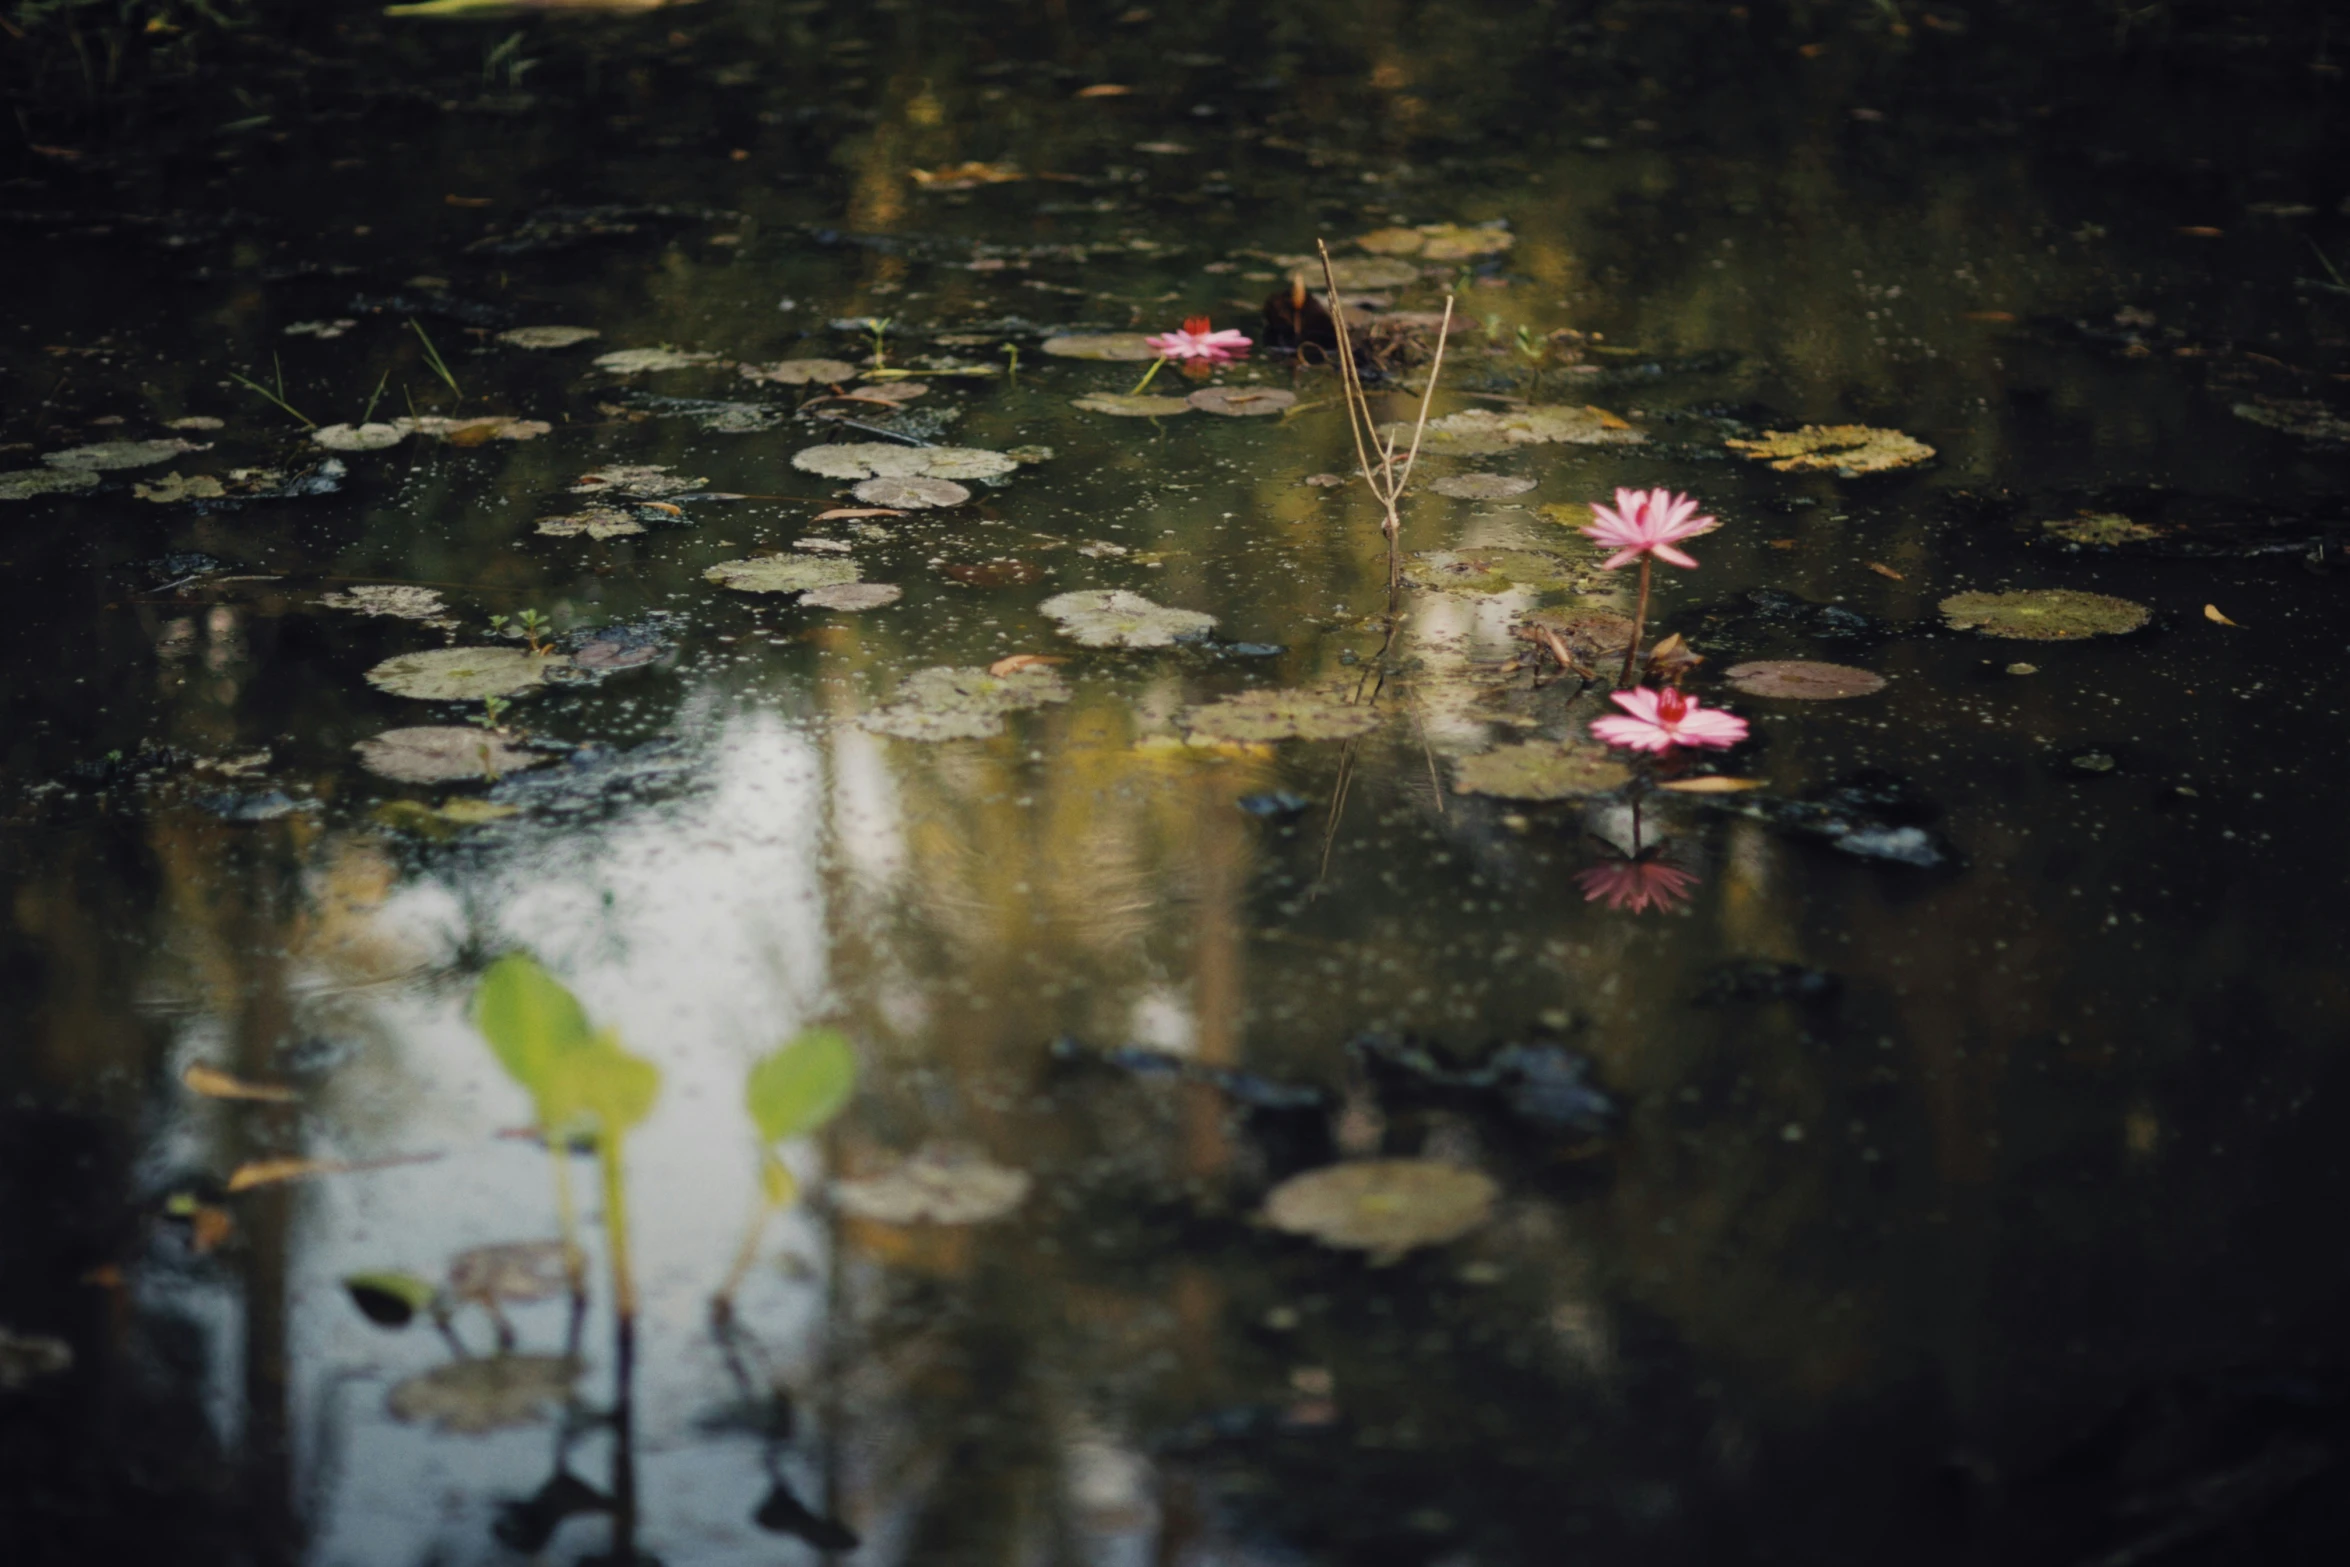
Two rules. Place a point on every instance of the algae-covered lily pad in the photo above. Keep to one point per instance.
(464, 674)
(173, 488)
(443, 822)
(1256, 716)
(1353, 272)
(1845, 450)
(1482, 486)
(643, 481)
(963, 704)
(935, 1186)
(2310, 420)
(494, 1393)
(881, 460)
(25, 483)
(1132, 405)
(1129, 347)
(634, 361)
(1499, 570)
(781, 573)
(1382, 1206)
(403, 601)
(1803, 680)
(359, 437)
(2044, 614)
(853, 596)
(800, 372)
(442, 753)
(548, 336)
(1241, 402)
(2104, 528)
(1115, 618)
(120, 454)
(1540, 770)
(1438, 241)
(597, 522)
(921, 494)
(1482, 432)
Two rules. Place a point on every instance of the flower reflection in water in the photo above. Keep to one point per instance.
(1637, 885)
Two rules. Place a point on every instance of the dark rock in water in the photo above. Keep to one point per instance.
(1273, 803)
(1873, 815)
(1761, 979)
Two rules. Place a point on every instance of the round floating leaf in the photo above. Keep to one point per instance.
(1803, 680)
(963, 704)
(781, 574)
(936, 1186)
(1392, 242)
(390, 1300)
(1256, 716)
(463, 674)
(853, 596)
(120, 454)
(597, 522)
(1241, 402)
(495, 1393)
(512, 1270)
(1382, 1206)
(636, 361)
(802, 1084)
(1117, 346)
(1356, 272)
(2100, 528)
(173, 488)
(1500, 570)
(884, 460)
(2312, 421)
(1114, 618)
(1132, 405)
(911, 494)
(548, 336)
(2044, 614)
(1540, 770)
(1481, 432)
(442, 754)
(358, 437)
(1846, 450)
(1482, 486)
(25, 483)
(966, 462)
(801, 372)
(643, 481)
(1460, 242)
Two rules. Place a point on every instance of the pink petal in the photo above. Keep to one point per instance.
(1640, 702)
(1712, 726)
(1665, 552)
(1631, 733)
(1622, 558)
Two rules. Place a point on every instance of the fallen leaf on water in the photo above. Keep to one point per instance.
(510, 1270)
(1883, 570)
(1104, 90)
(967, 176)
(273, 1172)
(1132, 405)
(24, 483)
(1481, 432)
(2212, 614)
(1382, 1206)
(358, 437)
(1711, 785)
(1019, 661)
(1116, 347)
(403, 601)
(1540, 770)
(173, 488)
(106, 455)
(800, 372)
(1241, 402)
(215, 1084)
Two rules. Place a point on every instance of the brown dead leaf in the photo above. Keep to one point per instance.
(1711, 785)
(465, 201)
(1883, 570)
(1990, 315)
(844, 513)
(208, 1227)
(2202, 231)
(1607, 421)
(1019, 661)
(662, 507)
(215, 1084)
(271, 1172)
(1104, 90)
(966, 176)
(2212, 614)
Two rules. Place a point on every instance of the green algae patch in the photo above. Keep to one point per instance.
(1846, 450)
(2044, 614)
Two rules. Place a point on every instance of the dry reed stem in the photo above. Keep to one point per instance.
(1387, 485)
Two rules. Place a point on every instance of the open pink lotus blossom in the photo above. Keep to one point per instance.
(1636, 885)
(1647, 522)
(1196, 341)
(1660, 720)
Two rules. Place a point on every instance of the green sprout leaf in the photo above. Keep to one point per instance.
(802, 1084)
(532, 1023)
(390, 1300)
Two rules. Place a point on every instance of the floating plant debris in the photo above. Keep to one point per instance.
(1437, 242)
(1256, 716)
(547, 336)
(947, 703)
(25, 483)
(641, 481)
(1115, 618)
(782, 573)
(848, 596)
(107, 455)
(1132, 405)
(2044, 614)
(2100, 529)
(1503, 569)
(639, 361)
(1386, 1207)
(1845, 450)
(596, 522)
(883, 460)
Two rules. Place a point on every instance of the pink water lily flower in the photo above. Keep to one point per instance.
(1647, 522)
(1660, 720)
(1636, 885)
(1197, 341)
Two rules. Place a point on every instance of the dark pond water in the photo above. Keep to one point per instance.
(1950, 1169)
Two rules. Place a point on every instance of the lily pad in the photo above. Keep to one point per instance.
(853, 596)
(1241, 402)
(477, 432)
(1540, 770)
(882, 460)
(1845, 450)
(2103, 529)
(107, 455)
(1256, 716)
(463, 674)
(637, 361)
(2310, 420)
(511, 1271)
(358, 437)
(1803, 680)
(1438, 241)
(782, 573)
(402, 601)
(25, 1358)
(1482, 486)
(1115, 618)
(946, 703)
(1120, 347)
(1502, 569)
(1382, 1206)
(443, 822)
(1132, 405)
(494, 1393)
(800, 372)
(25, 483)
(173, 488)
(548, 336)
(597, 522)
(911, 494)
(642, 481)
(1482, 432)
(2044, 614)
(935, 1186)
(1354, 272)
(442, 753)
